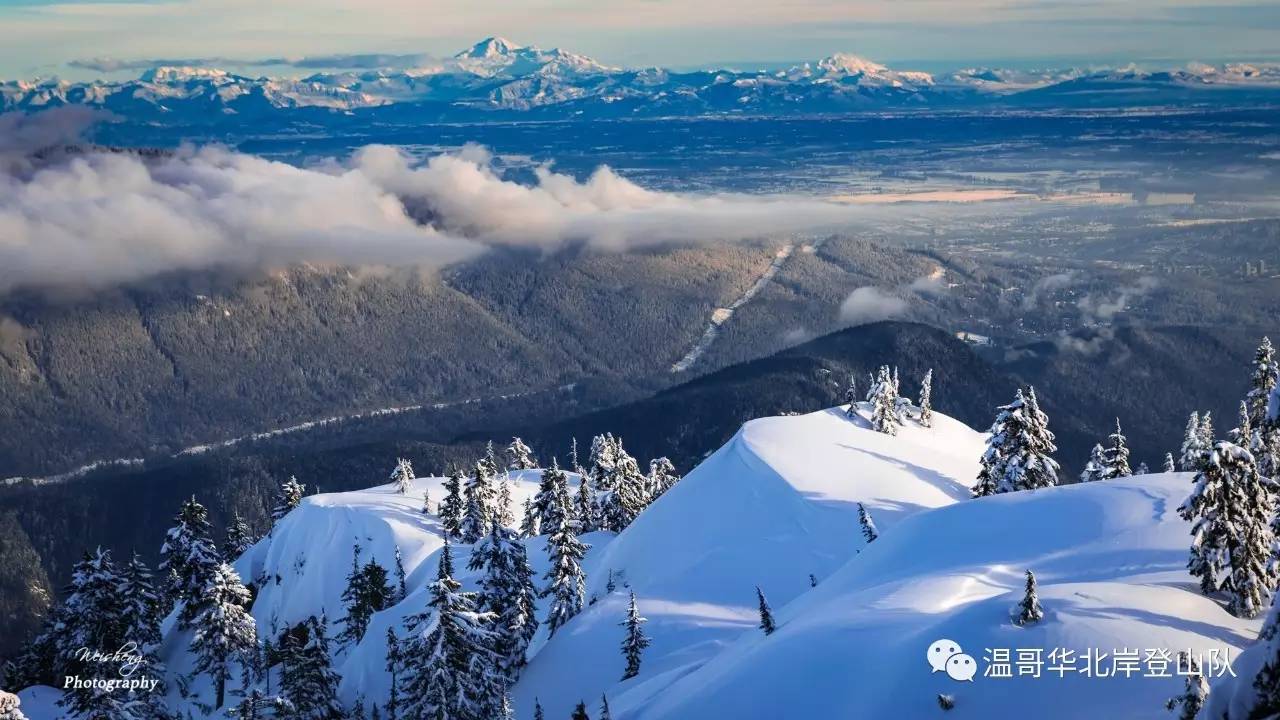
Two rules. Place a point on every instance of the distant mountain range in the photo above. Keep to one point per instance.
(498, 76)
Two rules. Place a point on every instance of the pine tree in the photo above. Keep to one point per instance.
(450, 670)
(1195, 692)
(926, 399)
(188, 558)
(662, 477)
(289, 497)
(1142, 469)
(1018, 449)
(504, 515)
(1230, 509)
(402, 476)
(402, 588)
(308, 680)
(529, 520)
(519, 455)
(1191, 451)
(537, 710)
(141, 604)
(635, 642)
(1242, 434)
(10, 707)
(368, 591)
(885, 409)
(1029, 610)
(627, 495)
(605, 714)
(395, 661)
(813, 580)
(602, 460)
(766, 614)
(478, 501)
(869, 532)
(1096, 468)
(507, 592)
(551, 499)
(258, 705)
(586, 506)
(453, 507)
(851, 396)
(1265, 380)
(580, 712)
(566, 583)
(1169, 465)
(1117, 455)
(224, 630)
(239, 538)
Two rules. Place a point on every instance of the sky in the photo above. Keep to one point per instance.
(40, 37)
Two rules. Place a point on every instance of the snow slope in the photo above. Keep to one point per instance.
(1110, 558)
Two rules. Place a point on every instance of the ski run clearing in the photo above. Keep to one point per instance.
(775, 504)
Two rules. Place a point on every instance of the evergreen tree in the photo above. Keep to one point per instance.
(604, 709)
(1242, 434)
(926, 399)
(507, 592)
(1142, 469)
(402, 476)
(529, 520)
(1206, 435)
(10, 707)
(1265, 380)
(402, 588)
(368, 591)
(478, 500)
(224, 630)
(635, 642)
(1118, 455)
(537, 710)
(239, 538)
(566, 583)
(580, 712)
(449, 667)
(289, 497)
(627, 495)
(453, 507)
(869, 532)
(426, 502)
(1169, 465)
(885, 410)
(188, 558)
(1194, 693)
(851, 396)
(395, 661)
(1029, 610)
(1096, 468)
(1191, 451)
(1230, 508)
(308, 680)
(258, 705)
(141, 608)
(1018, 450)
(504, 515)
(586, 506)
(766, 614)
(551, 500)
(1266, 683)
(519, 456)
(662, 477)
(602, 461)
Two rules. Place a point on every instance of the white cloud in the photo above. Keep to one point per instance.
(870, 304)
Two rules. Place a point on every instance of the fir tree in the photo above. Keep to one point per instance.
(308, 680)
(258, 705)
(586, 505)
(449, 667)
(478, 500)
(1029, 610)
(289, 497)
(1230, 508)
(453, 507)
(402, 588)
(188, 558)
(580, 712)
(813, 580)
(10, 707)
(605, 714)
(662, 477)
(1191, 451)
(1018, 449)
(395, 661)
(926, 399)
(766, 614)
(1265, 380)
(551, 500)
(368, 591)
(885, 408)
(1142, 469)
(1117, 456)
(851, 396)
(402, 476)
(519, 456)
(504, 515)
(869, 532)
(239, 538)
(224, 630)
(566, 583)
(1169, 465)
(1096, 468)
(602, 460)
(635, 642)
(507, 592)
(528, 520)
(537, 709)
(627, 494)
(1242, 434)
(1194, 693)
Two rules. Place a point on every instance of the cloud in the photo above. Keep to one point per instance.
(870, 304)
(1045, 285)
(94, 218)
(349, 61)
(933, 284)
(1104, 309)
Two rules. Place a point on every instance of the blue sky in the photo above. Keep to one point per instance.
(40, 36)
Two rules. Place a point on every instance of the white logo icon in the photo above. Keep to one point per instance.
(946, 656)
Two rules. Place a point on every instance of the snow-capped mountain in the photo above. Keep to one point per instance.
(497, 75)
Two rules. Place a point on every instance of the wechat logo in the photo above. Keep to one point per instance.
(946, 656)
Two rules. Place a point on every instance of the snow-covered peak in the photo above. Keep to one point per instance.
(491, 47)
(848, 64)
(177, 74)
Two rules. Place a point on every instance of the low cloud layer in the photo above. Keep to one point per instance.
(871, 304)
(357, 61)
(97, 218)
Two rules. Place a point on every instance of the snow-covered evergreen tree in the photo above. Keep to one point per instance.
(402, 588)
(519, 456)
(869, 531)
(627, 494)
(605, 713)
(634, 644)
(395, 661)
(1230, 508)
(453, 507)
(586, 504)
(10, 707)
(479, 499)
(141, 606)
(602, 460)
(1029, 611)
(504, 513)
(1142, 469)
(580, 712)
(1018, 455)
(1242, 434)
(239, 538)
(851, 396)
(402, 476)
(1265, 380)
(1169, 464)
(258, 705)
(1117, 455)
(224, 630)
(537, 710)
(566, 582)
(289, 497)
(1195, 691)
(528, 520)
(450, 671)
(1096, 468)
(662, 477)
(188, 557)
(551, 500)
(368, 591)
(1192, 451)
(308, 680)
(507, 592)
(885, 410)
(926, 399)
(766, 613)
